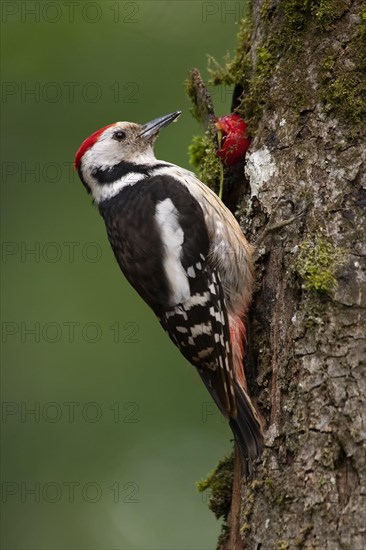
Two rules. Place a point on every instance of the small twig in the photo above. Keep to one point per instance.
(203, 109)
(271, 227)
(221, 188)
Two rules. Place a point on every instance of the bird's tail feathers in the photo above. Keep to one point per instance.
(246, 427)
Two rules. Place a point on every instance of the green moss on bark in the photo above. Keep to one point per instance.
(343, 80)
(219, 483)
(202, 156)
(300, 13)
(191, 93)
(342, 84)
(317, 263)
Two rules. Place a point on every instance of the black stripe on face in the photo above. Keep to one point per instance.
(104, 176)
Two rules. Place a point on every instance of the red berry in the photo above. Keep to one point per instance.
(234, 142)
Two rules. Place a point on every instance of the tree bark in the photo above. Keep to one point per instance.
(302, 76)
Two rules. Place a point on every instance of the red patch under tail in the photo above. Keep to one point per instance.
(238, 337)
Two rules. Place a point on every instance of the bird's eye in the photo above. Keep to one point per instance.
(119, 135)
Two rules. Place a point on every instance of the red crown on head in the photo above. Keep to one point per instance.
(87, 144)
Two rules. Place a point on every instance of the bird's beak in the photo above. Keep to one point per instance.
(152, 128)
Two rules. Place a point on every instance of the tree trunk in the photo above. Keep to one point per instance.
(301, 65)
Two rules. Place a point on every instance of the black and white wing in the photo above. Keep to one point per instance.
(159, 237)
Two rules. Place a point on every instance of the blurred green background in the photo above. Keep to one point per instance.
(105, 427)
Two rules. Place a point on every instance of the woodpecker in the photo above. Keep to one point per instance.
(184, 253)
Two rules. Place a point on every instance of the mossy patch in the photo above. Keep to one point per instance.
(300, 13)
(343, 82)
(219, 483)
(191, 94)
(293, 29)
(202, 156)
(317, 263)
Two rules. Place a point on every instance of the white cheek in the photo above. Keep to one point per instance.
(108, 152)
(103, 154)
